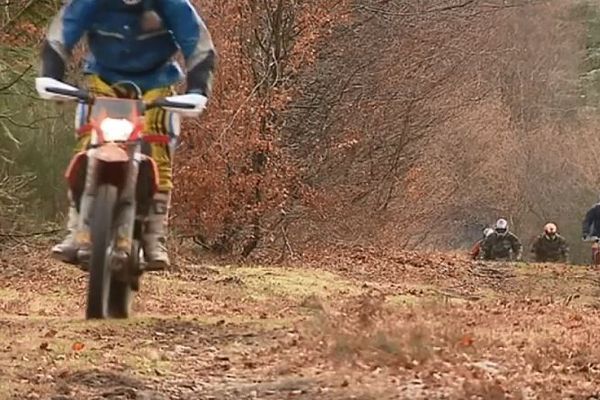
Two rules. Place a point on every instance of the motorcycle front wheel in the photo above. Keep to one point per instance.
(121, 296)
(101, 231)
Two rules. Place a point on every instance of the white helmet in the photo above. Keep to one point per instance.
(487, 232)
(550, 230)
(501, 227)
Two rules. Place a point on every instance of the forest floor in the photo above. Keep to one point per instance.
(361, 325)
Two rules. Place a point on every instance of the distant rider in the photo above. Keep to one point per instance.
(550, 246)
(501, 244)
(591, 222)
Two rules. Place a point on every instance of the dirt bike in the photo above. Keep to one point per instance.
(595, 249)
(113, 183)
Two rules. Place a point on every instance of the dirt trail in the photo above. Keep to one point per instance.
(368, 325)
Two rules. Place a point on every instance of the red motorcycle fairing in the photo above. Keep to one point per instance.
(112, 169)
(76, 170)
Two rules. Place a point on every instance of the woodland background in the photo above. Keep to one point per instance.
(399, 123)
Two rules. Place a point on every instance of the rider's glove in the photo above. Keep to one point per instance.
(198, 100)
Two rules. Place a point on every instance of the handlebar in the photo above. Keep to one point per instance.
(186, 105)
(79, 94)
(86, 97)
(162, 102)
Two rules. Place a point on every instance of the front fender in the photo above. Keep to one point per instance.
(111, 152)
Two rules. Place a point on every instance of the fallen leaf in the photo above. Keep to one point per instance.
(466, 341)
(77, 346)
(576, 317)
(489, 366)
(44, 346)
(51, 333)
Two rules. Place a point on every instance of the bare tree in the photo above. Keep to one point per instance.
(422, 136)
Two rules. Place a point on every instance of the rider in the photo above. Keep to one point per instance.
(550, 246)
(476, 249)
(135, 41)
(501, 244)
(591, 222)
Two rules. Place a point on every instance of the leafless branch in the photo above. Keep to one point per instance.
(31, 234)
(15, 80)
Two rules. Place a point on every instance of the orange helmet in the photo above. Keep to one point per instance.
(550, 229)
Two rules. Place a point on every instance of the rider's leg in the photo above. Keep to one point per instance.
(67, 250)
(159, 122)
(155, 234)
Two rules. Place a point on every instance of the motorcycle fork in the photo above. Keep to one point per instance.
(90, 189)
(124, 218)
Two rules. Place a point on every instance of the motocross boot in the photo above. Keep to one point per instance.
(155, 234)
(66, 251)
(83, 235)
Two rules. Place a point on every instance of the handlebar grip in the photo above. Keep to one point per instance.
(79, 94)
(167, 103)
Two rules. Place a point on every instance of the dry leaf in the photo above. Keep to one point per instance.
(78, 346)
(466, 341)
(51, 333)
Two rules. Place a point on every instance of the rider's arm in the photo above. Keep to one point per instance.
(535, 245)
(565, 250)
(588, 221)
(517, 247)
(66, 29)
(194, 40)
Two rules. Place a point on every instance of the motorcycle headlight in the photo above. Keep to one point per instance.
(116, 130)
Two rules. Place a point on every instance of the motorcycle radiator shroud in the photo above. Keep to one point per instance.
(114, 173)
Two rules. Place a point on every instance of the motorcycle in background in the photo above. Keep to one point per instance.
(595, 249)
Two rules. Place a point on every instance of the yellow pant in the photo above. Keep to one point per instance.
(156, 121)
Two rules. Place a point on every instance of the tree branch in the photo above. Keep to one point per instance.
(26, 235)
(17, 79)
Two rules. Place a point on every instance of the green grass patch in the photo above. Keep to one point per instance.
(149, 362)
(262, 282)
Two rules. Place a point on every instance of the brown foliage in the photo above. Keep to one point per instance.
(467, 112)
(397, 122)
(234, 176)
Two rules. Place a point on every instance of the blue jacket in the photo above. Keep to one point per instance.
(122, 48)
